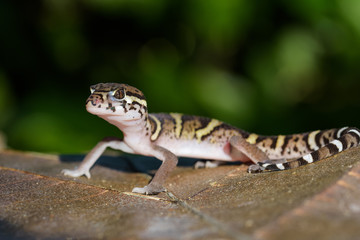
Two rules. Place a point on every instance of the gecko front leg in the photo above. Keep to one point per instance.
(94, 154)
(169, 162)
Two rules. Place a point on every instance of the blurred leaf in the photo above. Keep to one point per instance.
(146, 11)
(62, 23)
(239, 61)
(310, 10)
(6, 100)
(219, 23)
(288, 72)
(350, 11)
(222, 95)
(158, 56)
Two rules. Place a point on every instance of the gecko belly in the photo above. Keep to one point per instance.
(195, 149)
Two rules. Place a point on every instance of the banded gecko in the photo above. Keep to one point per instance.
(167, 136)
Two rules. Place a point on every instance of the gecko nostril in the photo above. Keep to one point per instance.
(93, 100)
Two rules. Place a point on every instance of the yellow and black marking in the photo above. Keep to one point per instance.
(178, 123)
(207, 129)
(155, 127)
(185, 127)
(134, 97)
(252, 138)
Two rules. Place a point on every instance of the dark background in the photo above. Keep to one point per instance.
(265, 66)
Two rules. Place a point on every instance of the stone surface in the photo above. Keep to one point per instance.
(318, 201)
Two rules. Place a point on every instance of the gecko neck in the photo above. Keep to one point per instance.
(134, 128)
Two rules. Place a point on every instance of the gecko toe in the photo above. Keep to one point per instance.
(199, 164)
(255, 169)
(149, 190)
(208, 164)
(75, 173)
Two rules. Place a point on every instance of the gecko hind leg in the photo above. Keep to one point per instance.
(251, 151)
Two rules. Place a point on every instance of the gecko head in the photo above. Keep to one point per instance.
(115, 99)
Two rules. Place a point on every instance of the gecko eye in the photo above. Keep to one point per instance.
(118, 94)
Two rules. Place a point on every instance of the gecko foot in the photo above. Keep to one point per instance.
(76, 173)
(199, 164)
(150, 189)
(255, 169)
(208, 164)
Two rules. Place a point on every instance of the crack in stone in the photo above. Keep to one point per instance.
(212, 221)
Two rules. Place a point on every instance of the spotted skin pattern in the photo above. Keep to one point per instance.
(166, 136)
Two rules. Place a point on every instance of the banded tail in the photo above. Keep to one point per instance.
(347, 137)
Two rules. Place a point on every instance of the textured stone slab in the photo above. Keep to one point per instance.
(318, 201)
(248, 202)
(331, 214)
(35, 206)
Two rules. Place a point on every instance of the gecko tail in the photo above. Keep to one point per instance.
(347, 137)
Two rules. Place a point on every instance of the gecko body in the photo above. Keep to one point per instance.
(168, 136)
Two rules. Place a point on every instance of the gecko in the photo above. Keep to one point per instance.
(169, 136)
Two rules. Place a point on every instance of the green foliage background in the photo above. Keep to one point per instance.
(265, 66)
